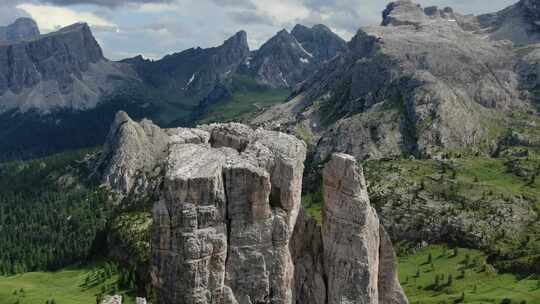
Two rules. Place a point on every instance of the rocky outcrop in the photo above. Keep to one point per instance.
(112, 300)
(404, 12)
(232, 209)
(228, 226)
(351, 260)
(20, 29)
(131, 155)
(60, 70)
(350, 234)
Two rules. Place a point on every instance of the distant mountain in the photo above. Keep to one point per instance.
(61, 70)
(58, 91)
(182, 80)
(190, 83)
(519, 23)
(21, 29)
(288, 58)
(424, 82)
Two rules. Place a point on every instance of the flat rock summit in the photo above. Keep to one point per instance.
(228, 226)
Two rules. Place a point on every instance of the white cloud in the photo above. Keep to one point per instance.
(154, 7)
(282, 11)
(50, 18)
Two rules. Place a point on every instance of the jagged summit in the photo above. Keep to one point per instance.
(403, 12)
(319, 41)
(288, 57)
(21, 29)
(407, 12)
(239, 41)
(47, 77)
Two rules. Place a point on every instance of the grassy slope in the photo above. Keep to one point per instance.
(481, 283)
(244, 105)
(64, 286)
(248, 98)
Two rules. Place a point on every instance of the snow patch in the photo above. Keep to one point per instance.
(304, 50)
(283, 79)
(304, 60)
(190, 81)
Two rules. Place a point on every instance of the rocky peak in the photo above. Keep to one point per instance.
(319, 41)
(407, 12)
(229, 208)
(287, 58)
(191, 75)
(237, 45)
(21, 29)
(59, 70)
(403, 12)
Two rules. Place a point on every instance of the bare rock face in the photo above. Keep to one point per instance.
(228, 225)
(307, 250)
(420, 83)
(112, 300)
(226, 216)
(131, 154)
(351, 259)
(403, 12)
(60, 70)
(289, 58)
(350, 234)
(21, 29)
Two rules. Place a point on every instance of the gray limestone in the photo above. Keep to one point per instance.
(228, 226)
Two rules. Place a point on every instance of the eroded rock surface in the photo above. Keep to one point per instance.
(64, 69)
(426, 80)
(228, 224)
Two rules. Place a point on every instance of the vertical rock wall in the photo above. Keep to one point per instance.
(350, 234)
(228, 223)
(227, 211)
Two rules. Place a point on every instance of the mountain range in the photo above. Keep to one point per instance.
(49, 82)
(426, 80)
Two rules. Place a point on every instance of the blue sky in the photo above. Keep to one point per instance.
(154, 28)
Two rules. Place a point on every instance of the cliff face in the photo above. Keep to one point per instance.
(351, 260)
(287, 59)
(21, 29)
(61, 70)
(228, 224)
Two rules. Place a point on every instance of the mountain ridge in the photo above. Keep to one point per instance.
(416, 85)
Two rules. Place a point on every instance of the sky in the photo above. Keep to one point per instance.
(154, 28)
